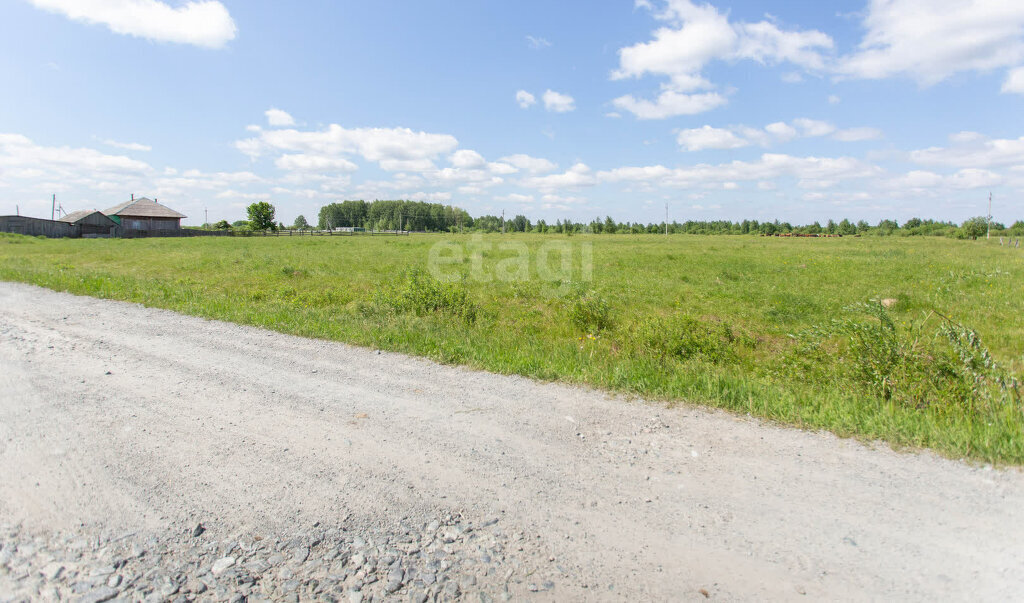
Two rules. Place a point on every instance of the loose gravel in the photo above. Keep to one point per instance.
(149, 456)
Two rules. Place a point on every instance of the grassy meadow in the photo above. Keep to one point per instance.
(791, 330)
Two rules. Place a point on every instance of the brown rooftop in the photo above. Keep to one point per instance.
(143, 208)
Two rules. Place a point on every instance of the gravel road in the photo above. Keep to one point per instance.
(149, 455)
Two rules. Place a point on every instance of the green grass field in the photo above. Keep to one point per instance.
(782, 329)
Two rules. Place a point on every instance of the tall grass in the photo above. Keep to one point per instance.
(780, 329)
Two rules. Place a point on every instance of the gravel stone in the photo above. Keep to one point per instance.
(221, 565)
(99, 595)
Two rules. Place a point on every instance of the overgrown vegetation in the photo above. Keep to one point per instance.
(421, 294)
(589, 312)
(783, 329)
(932, 362)
(685, 337)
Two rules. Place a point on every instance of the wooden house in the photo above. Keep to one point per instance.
(145, 214)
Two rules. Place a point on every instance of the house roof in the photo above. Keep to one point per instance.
(143, 208)
(75, 216)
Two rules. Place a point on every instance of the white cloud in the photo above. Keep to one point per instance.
(277, 117)
(525, 99)
(930, 40)
(395, 149)
(649, 173)
(735, 137)
(407, 165)
(781, 131)
(202, 23)
(466, 158)
(434, 197)
(552, 198)
(971, 150)
(537, 43)
(515, 198)
(972, 178)
(300, 162)
(498, 167)
(915, 180)
(966, 137)
(706, 137)
(769, 167)
(558, 103)
(834, 100)
(920, 182)
(233, 194)
(697, 35)
(561, 202)
(536, 165)
(128, 146)
(1014, 81)
(20, 158)
(857, 134)
(576, 176)
(669, 104)
(765, 43)
(813, 127)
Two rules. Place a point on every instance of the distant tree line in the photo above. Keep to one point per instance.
(394, 215)
(437, 217)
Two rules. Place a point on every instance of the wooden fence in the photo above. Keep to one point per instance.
(39, 227)
(318, 233)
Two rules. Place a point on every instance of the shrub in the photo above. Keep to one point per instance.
(422, 294)
(684, 337)
(973, 228)
(905, 363)
(590, 312)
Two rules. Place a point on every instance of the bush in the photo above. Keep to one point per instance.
(905, 363)
(590, 312)
(973, 228)
(684, 337)
(422, 294)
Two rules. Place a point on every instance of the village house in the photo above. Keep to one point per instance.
(145, 214)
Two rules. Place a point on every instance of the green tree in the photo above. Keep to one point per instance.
(301, 223)
(261, 216)
(222, 225)
(974, 227)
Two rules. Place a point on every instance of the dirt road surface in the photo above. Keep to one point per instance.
(120, 423)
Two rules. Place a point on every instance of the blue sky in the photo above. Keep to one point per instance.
(799, 111)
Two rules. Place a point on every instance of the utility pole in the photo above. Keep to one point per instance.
(502, 221)
(53, 208)
(666, 219)
(206, 214)
(988, 231)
